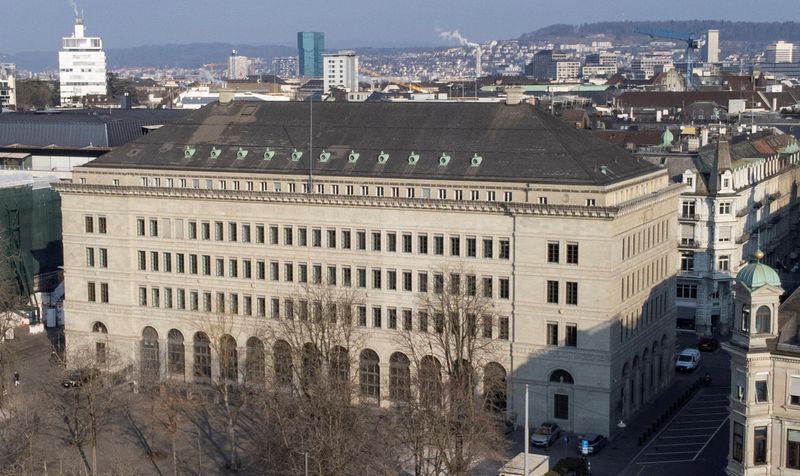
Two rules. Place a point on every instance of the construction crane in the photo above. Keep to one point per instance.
(692, 45)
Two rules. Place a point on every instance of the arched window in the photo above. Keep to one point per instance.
(763, 320)
(100, 346)
(399, 377)
(254, 363)
(176, 356)
(494, 386)
(430, 381)
(228, 358)
(202, 356)
(369, 374)
(150, 361)
(282, 357)
(339, 368)
(561, 376)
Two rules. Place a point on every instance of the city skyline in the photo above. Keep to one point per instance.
(419, 24)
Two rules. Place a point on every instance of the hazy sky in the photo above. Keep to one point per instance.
(38, 25)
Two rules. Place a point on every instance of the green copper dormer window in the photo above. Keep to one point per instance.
(324, 156)
(383, 157)
(269, 154)
(475, 160)
(296, 154)
(413, 158)
(444, 159)
(215, 152)
(241, 153)
(353, 157)
(188, 152)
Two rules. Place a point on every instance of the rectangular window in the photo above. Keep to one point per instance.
(332, 275)
(687, 261)
(104, 292)
(561, 406)
(438, 283)
(274, 271)
(316, 274)
(154, 260)
(101, 225)
(376, 279)
(438, 245)
(232, 231)
(275, 308)
(345, 239)
(167, 262)
(572, 253)
(422, 244)
(590, 202)
(505, 249)
(725, 208)
(288, 272)
(247, 272)
(155, 295)
(90, 257)
(572, 293)
(88, 224)
(361, 240)
(302, 236)
(260, 234)
(391, 280)
(422, 318)
(192, 264)
(505, 290)
(761, 391)
(552, 292)
(361, 316)
(347, 276)
(273, 234)
(316, 238)
(455, 246)
(487, 248)
(552, 333)
(362, 277)
(508, 196)
(724, 263)
(552, 252)
(472, 247)
(376, 241)
(331, 238)
(502, 328)
(287, 235)
(391, 318)
(794, 390)
(205, 230)
(571, 337)
(260, 270)
(140, 227)
(760, 445)
(245, 233)
(793, 449)
(472, 285)
(103, 255)
(407, 284)
(487, 286)
(422, 282)
(261, 306)
(142, 296)
(220, 267)
(737, 449)
(487, 324)
(91, 292)
(406, 242)
(407, 320)
(180, 300)
(168, 298)
(687, 209)
(206, 301)
(192, 230)
(391, 242)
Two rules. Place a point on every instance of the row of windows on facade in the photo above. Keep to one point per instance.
(689, 209)
(761, 444)
(651, 311)
(762, 324)
(379, 241)
(337, 275)
(291, 308)
(369, 367)
(643, 277)
(687, 262)
(645, 239)
(335, 189)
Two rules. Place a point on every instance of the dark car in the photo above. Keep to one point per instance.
(77, 378)
(708, 344)
(596, 442)
(545, 435)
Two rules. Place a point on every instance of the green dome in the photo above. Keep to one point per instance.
(756, 274)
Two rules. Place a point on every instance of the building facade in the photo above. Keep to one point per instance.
(711, 47)
(341, 70)
(782, 52)
(310, 47)
(81, 66)
(8, 85)
(239, 67)
(574, 243)
(740, 199)
(764, 436)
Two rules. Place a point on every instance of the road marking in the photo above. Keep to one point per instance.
(666, 461)
(669, 453)
(712, 414)
(715, 420)
(682, 437)
(712, 437)
(698, 428)
(677, 444)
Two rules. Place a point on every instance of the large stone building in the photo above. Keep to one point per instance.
(572, 238)
(765, 376)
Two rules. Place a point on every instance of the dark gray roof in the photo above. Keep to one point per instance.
(516, 143)
(79, 129)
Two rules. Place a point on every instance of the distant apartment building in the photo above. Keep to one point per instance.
(239, 67)
(82, 67)
(340, 70)
(711, 47)
(553, 65)
(647, 66)
(284, 66)
(738, 201)
(764, 401)
(782, 52)
(603, 58)
(310, 47)
(590, 71)
(8, 85)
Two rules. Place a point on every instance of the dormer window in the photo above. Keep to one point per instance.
(763, 320)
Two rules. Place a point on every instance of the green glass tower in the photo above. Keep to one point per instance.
(310, 46)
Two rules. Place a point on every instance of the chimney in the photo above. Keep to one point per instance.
(514, 95)
(774, 104)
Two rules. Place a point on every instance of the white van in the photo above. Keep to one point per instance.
(688, 360)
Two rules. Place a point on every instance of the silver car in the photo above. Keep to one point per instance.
(546, 434)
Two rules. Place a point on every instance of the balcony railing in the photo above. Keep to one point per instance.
(689, 216)
(687, 243)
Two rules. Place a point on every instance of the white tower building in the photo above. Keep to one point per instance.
(82, 66)
(781, 52)
(340, 69)
(712, 47)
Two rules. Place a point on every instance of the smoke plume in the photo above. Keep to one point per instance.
(456, 36)
(75, 8)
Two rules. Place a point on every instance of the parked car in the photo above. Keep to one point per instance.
(688, 360)
(546, 434)
(77, 378)
(708, 344)
(596, 442)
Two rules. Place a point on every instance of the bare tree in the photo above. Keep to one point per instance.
(449, 427)
(308, 406)
(169, 408)
(97, 393)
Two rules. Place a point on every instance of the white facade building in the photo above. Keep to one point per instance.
(239, 67)
(82, 66)
(8, 88)
(340, 70)
(711, 48)
(781, 52)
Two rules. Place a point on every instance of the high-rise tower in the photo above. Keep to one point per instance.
(310, 46)
(82, 66)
